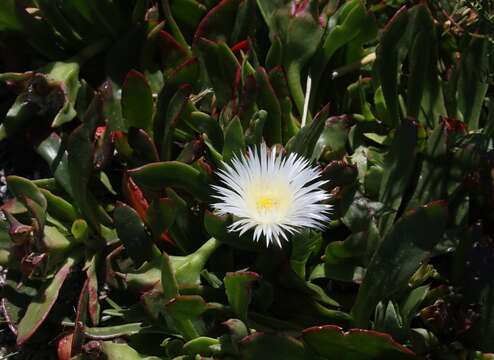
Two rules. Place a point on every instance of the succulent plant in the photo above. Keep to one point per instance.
(115, 246)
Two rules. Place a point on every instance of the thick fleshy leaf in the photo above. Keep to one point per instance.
(412, 303)
(134, 196)
(387, 319)
(80, 231)
(472, 85)
(300, 34)
(66, 76)
(202, 345)
(271, 345)
(8, 17)
(174, 174)
(267, 100)
(433, 175)
(51, 151)
(80, 163)
(333, 138)
(124, 53)
(80, 320)
(351, 21)
(188, 268)
(39, 308)
(332, 342)
(204, 123)
(253, 134)
(172, 271)
(186, 307)
(398, 168)
(111, 332)
(137, 101)
(304, 245)
(143, 146)
(221, 66)
(55, 241)
(218, 22)
(399, 255)
(388, 59)
(64, 347)
(168, 280)
(353, 247)
(234, 140)
(112, 107)
(133, 234)
(116, 351)
(92, 288)
(161, 215)
(188, 12)
(303, 143)
(59, 207)
(238, 287)
(23, 188)
(169, 111)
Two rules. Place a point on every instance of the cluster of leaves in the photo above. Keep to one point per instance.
(134, 104)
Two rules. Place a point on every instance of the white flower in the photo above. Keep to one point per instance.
(274, 195)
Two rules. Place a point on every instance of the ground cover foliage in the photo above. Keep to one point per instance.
(116, 114)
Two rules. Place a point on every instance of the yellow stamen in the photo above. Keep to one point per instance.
(265, 203)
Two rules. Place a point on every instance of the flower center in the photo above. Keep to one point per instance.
(266, 202)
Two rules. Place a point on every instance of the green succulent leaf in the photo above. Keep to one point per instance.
(238, 287)
(399, 255)
(137, 101)
(39, 308)
(332, 342)
(276, 346)
(133, 234)
(398, 168)
(234, 140)
(174, 174)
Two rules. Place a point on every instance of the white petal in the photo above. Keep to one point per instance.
(274, 195)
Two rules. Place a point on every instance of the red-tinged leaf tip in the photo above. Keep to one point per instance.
(167, 41)
(251, 337)
(201, 28)
(182, 66)
(134, 74)
(33, 323)
(64, 347)
(134, 196)
(315, 329)
(259, 334)
(344, 120)
(253, 275)
(241, 45)
(384, 336)
(93, 305)
(321, 114)
(334, 328)
(442, 203)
